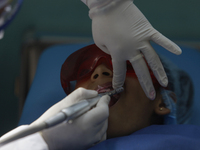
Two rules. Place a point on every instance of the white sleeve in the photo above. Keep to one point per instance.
(31, 142)
(101, 6)
(84, 1)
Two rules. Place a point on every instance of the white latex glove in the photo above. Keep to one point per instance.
(76, 96)
(85, 131)
(121, 30)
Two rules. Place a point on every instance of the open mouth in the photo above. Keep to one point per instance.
(106, 88)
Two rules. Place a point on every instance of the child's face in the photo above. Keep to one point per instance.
(131, 112)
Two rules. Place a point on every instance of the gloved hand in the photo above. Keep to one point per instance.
(76, 96)
(85, 131)
(121, 30)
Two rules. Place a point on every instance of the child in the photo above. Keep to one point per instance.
(130, 110)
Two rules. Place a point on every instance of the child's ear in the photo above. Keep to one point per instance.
(160, 108)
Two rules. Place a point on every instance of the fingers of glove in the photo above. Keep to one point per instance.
(74, 97)
(166, 43)
(155, 65)
(103, 48)
(103, 137)
(119, 73)
(101, 133)
(98, 114)
(143, 75)
(81, 94)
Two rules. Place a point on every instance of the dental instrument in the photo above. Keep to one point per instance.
(67, 114)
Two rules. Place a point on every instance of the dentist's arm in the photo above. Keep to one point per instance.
(86, 131)
(121, 30)
(31, 142)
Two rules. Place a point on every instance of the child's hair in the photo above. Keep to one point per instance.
(181, 84)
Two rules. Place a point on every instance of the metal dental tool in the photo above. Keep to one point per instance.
(66, 114)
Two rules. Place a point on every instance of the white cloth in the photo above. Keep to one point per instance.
(31, 142)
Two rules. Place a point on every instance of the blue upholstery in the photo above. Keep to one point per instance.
(156, 137)
(46, 90)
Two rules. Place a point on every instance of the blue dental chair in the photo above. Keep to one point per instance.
(46, 90)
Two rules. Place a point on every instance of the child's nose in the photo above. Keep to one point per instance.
(101, 72)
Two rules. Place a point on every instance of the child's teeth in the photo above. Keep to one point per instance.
(100, 87)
